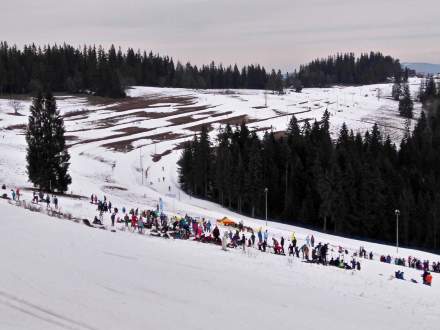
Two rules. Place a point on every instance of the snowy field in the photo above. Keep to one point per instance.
(128, 150)
(57, 274)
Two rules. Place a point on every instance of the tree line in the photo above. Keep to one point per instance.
(91, 69)
(348, 186)
(346, 69)
(63, 68)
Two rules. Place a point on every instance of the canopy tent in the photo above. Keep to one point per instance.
(226, 222)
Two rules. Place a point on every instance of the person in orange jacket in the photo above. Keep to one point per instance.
(427, 278)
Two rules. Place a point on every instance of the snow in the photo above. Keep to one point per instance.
(59, 274)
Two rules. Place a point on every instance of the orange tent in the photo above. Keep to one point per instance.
(226, 222)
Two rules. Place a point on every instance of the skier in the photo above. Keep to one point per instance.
(133, 221)
(96, 221)
(276, 246)
(224, 241)
(140, 225)
(112, 217)
(266, 236)
(216, 233)
(312, 241)
(13, 194)
(427, 278)
(127, 220)
(55, 202)
(253, 238)
(35, 198)
(282, 244)
(293, 239)
(260, 236)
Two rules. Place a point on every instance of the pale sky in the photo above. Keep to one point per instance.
(276, 33)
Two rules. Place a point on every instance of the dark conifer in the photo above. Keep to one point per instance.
(406, 104)
(47, 156)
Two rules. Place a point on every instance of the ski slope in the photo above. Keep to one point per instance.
(59, 274)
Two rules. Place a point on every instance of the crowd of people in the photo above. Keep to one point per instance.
(202, 230)
(412, 262)
(37, 197)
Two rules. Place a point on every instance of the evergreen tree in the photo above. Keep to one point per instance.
(47, 156)
(406, 104)
(396, 91)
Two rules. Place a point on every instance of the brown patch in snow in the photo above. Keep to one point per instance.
(126, 145)
(237, 120)
(115, 188)
(77, 113)
(157, 157)
(18, 127)
(152, 101)
(198, 128)
(128, 131)
(222, 114)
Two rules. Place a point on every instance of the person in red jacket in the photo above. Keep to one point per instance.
(133, 221)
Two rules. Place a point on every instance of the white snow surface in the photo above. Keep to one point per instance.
(57, 274)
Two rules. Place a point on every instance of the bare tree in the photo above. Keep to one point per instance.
(16, 105)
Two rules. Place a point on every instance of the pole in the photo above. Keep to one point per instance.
(265, 191)
(397, 212)
(140, 161)
(397, 233)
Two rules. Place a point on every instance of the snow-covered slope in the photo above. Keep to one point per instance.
(56, 274)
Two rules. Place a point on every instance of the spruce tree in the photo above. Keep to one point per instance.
(396, 91)
(47, 156)
(406, 105)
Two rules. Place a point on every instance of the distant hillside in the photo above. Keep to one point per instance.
(425, 68)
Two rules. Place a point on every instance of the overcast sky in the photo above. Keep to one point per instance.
(276, 33)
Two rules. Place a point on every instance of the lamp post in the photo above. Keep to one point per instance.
(265, 192)
(397, 213)
(142, 168)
